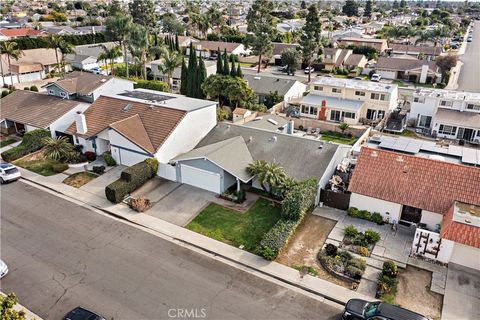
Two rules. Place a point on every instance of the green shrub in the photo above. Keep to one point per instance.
(276, 238)
(352, 211)
(360, 240)
(109, 159)
(344, 255)
(98, 169)
(153, 164)
(151, 84)
(59, 167)
(354, 272)
(351, 231)
(26, 88)
(299, 200)
(117, 190)
(358, 263)
(34, 88)
(371, 236)
(31, 142)
(390, 269)
(5, 93)
(137, 174)
(331, 249)
(377, 218)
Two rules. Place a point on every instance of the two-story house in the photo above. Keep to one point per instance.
(347, 100)
(447, 114)
(342, 58)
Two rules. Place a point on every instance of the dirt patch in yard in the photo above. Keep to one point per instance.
(79, 179)
(414, 293)
(303, 248)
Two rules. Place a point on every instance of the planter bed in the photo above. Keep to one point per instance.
(342, 264)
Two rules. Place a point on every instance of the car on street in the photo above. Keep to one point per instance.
(282, 68)
(3, 269)
(376, 77)
(80, 313)
(469, 39)
(8, 172)
(309, 70)
(98, 70)
(357, 78)
(358, 309)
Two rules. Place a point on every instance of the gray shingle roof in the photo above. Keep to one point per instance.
(264, 84)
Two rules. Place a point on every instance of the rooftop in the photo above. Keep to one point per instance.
(270, 122)
(462, 224)
(447, 94)
(332, 102)
(265, 83)
(355, 84)
(83, 83)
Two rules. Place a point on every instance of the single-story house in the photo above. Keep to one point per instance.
(210, 66)
(139, 124)
(379, 44)
(335, 58)
(221, 158)
(278, 47)
(408, 68)
(422, 191)
(34, 64)
(95, 49)
(87, 86)
(428, 52)
(23, 111)
(61, 30)
(9, 34)
(209, 48)
(263, 84)
(82, 62)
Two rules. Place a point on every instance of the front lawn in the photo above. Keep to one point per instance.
(79, 179)
(44, 167)
(236, 228)
(338, 138)
(6, 142)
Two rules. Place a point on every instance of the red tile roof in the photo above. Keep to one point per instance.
(414, 181)
(22, 32)
(459, 232)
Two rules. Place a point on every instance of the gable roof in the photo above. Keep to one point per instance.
(414, 181)
(283, 149)
(82, 83)
(459, 232)
(278, 47)
(265, 83)
(214, 45)
(22, 32)
(433, 51)
(354, 59)
(232, 155)
(108, 112)
(45, 57)
(35, 109)
(404, 64)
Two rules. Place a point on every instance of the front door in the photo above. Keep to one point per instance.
(411, 214)
(465, 134)
(335, 115)
(20, 127)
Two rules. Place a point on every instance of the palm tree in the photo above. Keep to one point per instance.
(138, 43)
(269, 174)
(170, 61)
(66, 48)
(118, 27)
(285, 186)
(55, 42)
(57, 149)
(109, 56)
(12, 52)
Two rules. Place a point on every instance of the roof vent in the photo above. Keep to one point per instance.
(405, 169)
(257, 119)
(257, 78)
(127, 107)
(399, 159)
(250, 139)
(374, 154)
(274, 138)
(103, 80)
(272, 121)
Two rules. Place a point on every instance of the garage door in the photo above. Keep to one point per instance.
(126, 157)
(466, 256)
(201, 178)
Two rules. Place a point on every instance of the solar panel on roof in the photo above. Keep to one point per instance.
(146, 95)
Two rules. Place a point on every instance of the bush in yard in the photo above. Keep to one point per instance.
(390, 269)
(331, 249)
(363, 251)
(351, 231)
(31, 142)
(299, 200)
(151, 84)
(26, 88)
(276, 238)
(34, 88)
(153, 164)
(98, 169)
(117, 190)
(139, 204)
(354, 272)
(91, 156)
(371, 236)
(59, 167)
(377, 218)
(137, 174)
(109, 159)
(359, 263)
(359, 240)
(57, 149)
(344, 255)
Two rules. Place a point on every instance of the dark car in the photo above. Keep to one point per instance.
(80, 313)
(357, 309)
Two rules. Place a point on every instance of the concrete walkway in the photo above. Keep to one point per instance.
(278, 271)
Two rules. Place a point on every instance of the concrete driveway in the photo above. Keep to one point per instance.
(462, 293)
(97, 186)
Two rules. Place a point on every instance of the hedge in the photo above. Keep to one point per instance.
(276, 238)
(31, 142)
(366, 215)
(131, 179)
(151, 84)
(299, 200)
(26, 43)
(109, 159)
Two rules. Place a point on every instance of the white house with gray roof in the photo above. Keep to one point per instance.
(263, 84)
(347, 100)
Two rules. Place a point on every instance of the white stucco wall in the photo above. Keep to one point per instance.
(431, 219)
(387, 74)
(376, 205)
(188, 133)
(62, 123)
(30, 128)
(337, 158)
(124, 151)
(466, 256)
(113, 86)
(445, 248)
(296, 91)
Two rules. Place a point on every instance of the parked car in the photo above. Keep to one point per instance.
(80, 313)
(98, 70)
(358, 309)
(309, 70)
(3, 269)
(357, 78)
(212, 57)
(8, 172)
(469, 39)
(376, 77)
(282, 68)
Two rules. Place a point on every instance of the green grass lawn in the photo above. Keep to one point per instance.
(338, 139)
(236, 228)
(43, 167)
(6, 142)
(408, 133)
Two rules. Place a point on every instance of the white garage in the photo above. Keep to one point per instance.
(127, 157)
(200, 178)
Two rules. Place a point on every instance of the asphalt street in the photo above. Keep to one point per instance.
(62, 255)
(469, 79)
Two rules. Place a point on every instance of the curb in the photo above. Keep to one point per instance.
(206, 250)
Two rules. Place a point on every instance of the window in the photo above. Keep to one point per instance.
(313, 111)
(416, 99)
(336, 90)
(378, 96)
(371, 114)
(450, 130)
(349, 115)
(445, 103)
(335, 115)
(360, 93)
(309, 110)
(380, 114)
(318, 88)
(424, 121)
(471, 106)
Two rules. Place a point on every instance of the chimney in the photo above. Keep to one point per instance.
(81, 123)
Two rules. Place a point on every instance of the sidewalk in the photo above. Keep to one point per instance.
(278, 271)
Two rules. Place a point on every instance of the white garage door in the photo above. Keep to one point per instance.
(466, 256)
(126, 157)
(201, 178)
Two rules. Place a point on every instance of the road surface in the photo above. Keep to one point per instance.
(469, 79)
(62, 255)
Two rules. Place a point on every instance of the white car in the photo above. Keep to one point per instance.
(3, 269)
(376, 77)
(8, 172)
(98, 70)
(309, 70)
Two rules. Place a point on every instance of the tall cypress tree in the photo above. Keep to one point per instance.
(202, 75)
(226, 66)
(192, 72)
(219, 62)
(177, 44)
(239, 72)
(233, 70)
(184, 78)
